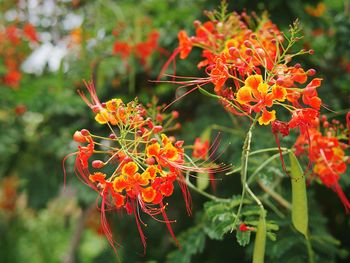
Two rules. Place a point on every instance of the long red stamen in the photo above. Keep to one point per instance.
(137, 219)
(336, 188)
(167, 222)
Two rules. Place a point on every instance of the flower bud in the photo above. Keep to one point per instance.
(85, 132)
(112, 136)
(260, 52)
(233, 51)
(247, 43)
(157, 128)
(279, 81)
(179, 144)
(159, 117)
(249, 52)
(311, 72)
(95, 109)
(139, 133)
(150, 124)
(78, 137)
(253, 36)
(197, 23)
(97, 164)
(175, 114)
(150, 161)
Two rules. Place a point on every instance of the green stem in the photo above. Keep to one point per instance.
(244, 166)
(260, 239)
(310, 253)
(201, 192)
(273, 149)
(284, 150)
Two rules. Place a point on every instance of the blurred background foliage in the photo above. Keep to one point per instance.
(122, 46)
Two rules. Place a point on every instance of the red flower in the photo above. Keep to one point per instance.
(122, 48)
(200, 149)
(30, 32)
(329, 159)
(12, 78)
(185, 44)
(13, 34)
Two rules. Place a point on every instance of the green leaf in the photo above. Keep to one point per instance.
(243, 237)
(299, 198)
(192, 242)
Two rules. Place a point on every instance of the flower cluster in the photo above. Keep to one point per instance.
(136, 165)
(141, 46)
(248, 61)
(326, 151)
(13, 43)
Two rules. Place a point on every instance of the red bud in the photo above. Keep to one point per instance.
(97, 164)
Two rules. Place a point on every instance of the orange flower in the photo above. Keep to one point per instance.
(185, 44)
(153, 150)
(170, 152)
(150, 172)
(30, 32)
(135, 144)
(122, 48)
(317, 11)
(119, 200)
(267, 117)
(130, 169)
(279, 93)
(98, 177)
(12, 78)
(219, 74)
(327, 155)
(148, 194)
(256, 91)
(200, 148)
(102, 117)
(119, 184)
(310, 96)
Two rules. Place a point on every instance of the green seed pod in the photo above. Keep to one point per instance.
(260, 240)
(299, 198)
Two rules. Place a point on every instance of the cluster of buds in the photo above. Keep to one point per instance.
(136, 165)
(13, 43)
(327, 152)
(249, 62)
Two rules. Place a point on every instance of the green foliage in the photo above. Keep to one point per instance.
(219, 218)
(192, 242)
(243, 237)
